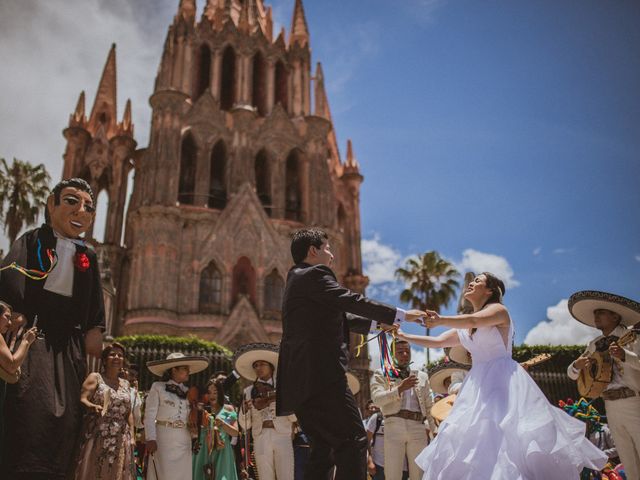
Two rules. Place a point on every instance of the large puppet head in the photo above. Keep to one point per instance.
(71, 208)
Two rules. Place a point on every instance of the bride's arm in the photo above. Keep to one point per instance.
(447, 339)
(495, 314)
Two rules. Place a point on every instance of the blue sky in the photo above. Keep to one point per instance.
(503, 134)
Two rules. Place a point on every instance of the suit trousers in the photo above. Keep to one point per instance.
(623, 416)
(274, 455)
(402, 438)
(334, 426)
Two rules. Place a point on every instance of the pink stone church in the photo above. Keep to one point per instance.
(242, 152)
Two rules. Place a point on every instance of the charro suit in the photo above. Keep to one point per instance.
(317, 314)
(403, 437)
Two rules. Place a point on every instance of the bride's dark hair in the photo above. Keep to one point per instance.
(496, 286)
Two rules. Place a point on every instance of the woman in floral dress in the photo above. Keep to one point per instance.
(107, 442)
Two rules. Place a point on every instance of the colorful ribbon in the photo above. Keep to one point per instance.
(32, 273)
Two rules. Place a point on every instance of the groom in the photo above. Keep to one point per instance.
(317, 315)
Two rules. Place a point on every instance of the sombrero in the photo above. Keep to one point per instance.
(246, 355)
(177, 359)
(439, 373)
(458, 354)
(582, 305)
(353, 382)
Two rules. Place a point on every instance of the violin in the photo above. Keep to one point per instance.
(262, 394)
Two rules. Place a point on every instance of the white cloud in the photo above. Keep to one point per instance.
(637, 257)
(561, 251)
(536, 251)
(379, 260)
(560, 329)
(475, 261)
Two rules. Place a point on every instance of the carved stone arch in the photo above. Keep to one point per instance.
(218, 175)
(228, 76)
(264, 171)
(203, 70)
(188, 166)
(294, 185)
(211, 280)
(273, 291)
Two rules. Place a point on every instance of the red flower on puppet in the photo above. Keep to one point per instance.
(82, 262)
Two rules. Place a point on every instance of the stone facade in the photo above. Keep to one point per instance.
(238, 158)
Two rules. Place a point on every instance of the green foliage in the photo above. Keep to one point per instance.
(166, 342)
(24, 189)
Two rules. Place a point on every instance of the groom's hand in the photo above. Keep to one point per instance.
(416, 316)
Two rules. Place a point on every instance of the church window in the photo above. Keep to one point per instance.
(244, 281)
(273, 291)
(188, 156)
(228, 82)
(217, 184)
(203, 78)
(259, 97)
(210, 289)
(263, 181)
(293, 192)
(280, 85)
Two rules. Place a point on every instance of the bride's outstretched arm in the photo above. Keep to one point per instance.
(447, 339)
(495, 314)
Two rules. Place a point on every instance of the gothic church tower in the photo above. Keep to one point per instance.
(242, 152)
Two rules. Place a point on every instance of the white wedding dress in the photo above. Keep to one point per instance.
(502, 427)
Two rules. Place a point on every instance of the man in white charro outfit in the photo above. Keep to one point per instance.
(405, 405)
(612, 314)
(272, 435)
(168, 438)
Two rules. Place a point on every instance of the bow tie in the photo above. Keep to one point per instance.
(604, 343)
(176, 390)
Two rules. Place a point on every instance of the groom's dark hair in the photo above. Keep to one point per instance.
(303, 240)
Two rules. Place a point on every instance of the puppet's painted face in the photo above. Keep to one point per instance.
(75, 213)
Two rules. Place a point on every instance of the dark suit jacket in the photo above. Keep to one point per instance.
(313, 352)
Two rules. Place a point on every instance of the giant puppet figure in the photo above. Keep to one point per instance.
(64, 300)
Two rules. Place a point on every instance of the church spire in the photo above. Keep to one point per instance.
(77, 118)
(126, 126)
(299, 28)
(187, 10)
(320, 95)
(103, 112)
(351, 163)
(243, 22)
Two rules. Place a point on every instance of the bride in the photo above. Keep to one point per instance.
(501, 426)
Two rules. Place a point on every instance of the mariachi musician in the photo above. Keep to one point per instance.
(612, 314)
(272, 435)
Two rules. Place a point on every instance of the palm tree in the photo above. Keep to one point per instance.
(431, 282)
(23, 193)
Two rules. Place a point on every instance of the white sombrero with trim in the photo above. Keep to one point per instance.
(458, 354)
(583, 304)
(439, 373)
(178, 359)
(353, 382)
(246, 355)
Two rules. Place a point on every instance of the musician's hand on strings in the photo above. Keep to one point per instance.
(416, 316)
(409, 382)
(151, 446)
(617, 351)
(582, 363)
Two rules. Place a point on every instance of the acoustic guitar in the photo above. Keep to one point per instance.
(594, 379)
